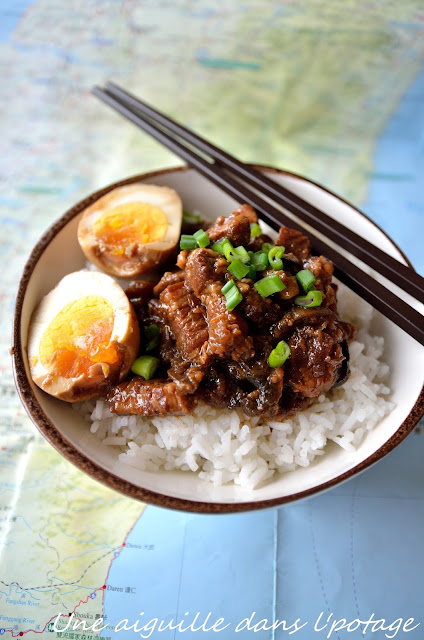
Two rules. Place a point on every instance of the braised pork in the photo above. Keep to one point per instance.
(221, 356)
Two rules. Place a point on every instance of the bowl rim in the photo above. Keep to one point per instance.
(125, 487)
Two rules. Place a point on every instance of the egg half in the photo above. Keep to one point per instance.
(83, 337)
(131, 229)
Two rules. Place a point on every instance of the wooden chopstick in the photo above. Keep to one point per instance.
(398, 273)
(376, 294)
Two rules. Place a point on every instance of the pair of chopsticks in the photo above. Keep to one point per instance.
(248, 185)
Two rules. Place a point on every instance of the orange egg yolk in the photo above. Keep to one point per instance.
(131, 223)
(78, 337)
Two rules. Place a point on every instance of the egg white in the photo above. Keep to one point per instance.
(125, 334)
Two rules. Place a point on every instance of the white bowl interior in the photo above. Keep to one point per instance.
(405, 357)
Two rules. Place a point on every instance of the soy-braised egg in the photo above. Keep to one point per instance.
(83, 336)
(131, 229)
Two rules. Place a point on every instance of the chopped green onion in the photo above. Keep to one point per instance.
(151, 335)
(227, 246)
(279, 355)
(219, 246)
(145, 366)
(252, 272)
(233, 299)
(228, 286)
(202, 238)
(188, 242)
(191, 218)
(242, 254)
(312, 299)
(260, 260)
(229, 252)
(269, 285)
(255, 230)
(238, 269)
(267, 246)
(306, 279)
(274, 256)
(232, 295)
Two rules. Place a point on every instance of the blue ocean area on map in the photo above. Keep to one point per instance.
(328, 556)
(11, 13)
(397, 180)
(284, 564)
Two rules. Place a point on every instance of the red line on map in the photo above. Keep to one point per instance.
(124, 544)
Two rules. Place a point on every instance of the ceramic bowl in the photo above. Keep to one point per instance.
(70, 435)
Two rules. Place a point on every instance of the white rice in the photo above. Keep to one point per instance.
(223, 445)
